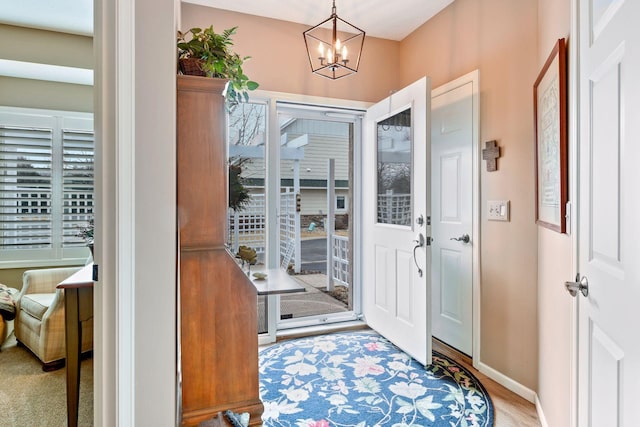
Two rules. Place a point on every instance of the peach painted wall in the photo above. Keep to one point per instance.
(498, 37)
(554, 264)
(279, 60)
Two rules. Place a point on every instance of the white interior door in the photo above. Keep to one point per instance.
(452, 215)
(396, 266)
(608, 233)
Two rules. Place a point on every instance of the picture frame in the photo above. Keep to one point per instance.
(551, 140)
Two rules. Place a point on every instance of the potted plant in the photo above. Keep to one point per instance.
(85, 232)
(206, 53)
(248, 256)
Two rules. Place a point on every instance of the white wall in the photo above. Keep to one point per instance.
(155, 250)
(135, 317)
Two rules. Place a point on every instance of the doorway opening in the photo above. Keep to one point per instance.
(291, 200)
(455, 214)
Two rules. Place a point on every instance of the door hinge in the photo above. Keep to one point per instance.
(95, 273)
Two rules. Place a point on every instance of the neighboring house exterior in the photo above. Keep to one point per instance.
(314, 142)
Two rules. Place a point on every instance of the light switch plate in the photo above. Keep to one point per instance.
(498, 210)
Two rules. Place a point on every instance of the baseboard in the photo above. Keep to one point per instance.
(505, 381)
(541, 417)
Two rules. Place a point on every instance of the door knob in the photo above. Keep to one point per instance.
(580, 285)
(464, 238)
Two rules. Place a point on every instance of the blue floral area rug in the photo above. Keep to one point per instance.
(359, 379)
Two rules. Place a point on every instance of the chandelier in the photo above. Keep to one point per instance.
(334, 47)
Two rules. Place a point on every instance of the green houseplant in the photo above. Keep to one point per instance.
(206, 53)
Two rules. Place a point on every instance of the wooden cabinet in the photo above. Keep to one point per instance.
(218, 314)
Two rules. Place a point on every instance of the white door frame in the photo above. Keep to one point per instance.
(115, 251)
(272, 156)
(474, 78)
(122, 328)
(572, 220)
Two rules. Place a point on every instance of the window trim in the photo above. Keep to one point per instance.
(55, 256)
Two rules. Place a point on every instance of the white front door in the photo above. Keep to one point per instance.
(396, 256)
(452, 214)
(609, 211)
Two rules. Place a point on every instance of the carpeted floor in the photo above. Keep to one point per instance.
(30, 397)
(360, 379)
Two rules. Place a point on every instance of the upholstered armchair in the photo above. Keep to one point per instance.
(40, 322)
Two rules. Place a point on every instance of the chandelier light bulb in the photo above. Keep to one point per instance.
(344, 53)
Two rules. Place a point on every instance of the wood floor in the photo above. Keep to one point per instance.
(511, 410)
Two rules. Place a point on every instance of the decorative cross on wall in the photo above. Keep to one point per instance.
(491, 154)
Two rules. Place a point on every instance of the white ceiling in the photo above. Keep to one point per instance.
(386, 19)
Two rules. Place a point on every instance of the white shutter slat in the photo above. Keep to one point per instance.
(77, 183)
(25, 187)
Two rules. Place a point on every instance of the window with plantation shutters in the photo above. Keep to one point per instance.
(77, 184)
(46, 186)
(25, 187)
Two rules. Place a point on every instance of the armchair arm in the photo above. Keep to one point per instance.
(44, 280)
(53, 319)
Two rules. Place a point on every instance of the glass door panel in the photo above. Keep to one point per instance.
(315, 216)
(247, 197)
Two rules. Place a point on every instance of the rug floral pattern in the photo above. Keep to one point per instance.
(359, 379)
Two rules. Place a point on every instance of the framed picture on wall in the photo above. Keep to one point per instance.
(550, 113)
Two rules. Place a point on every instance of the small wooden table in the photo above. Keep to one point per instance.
(78, 306)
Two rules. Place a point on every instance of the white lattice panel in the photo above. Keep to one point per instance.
(288, 230)
(340, 259)
(248, 227)
(394, 209)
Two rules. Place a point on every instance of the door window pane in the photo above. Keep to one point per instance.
(394, 154)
